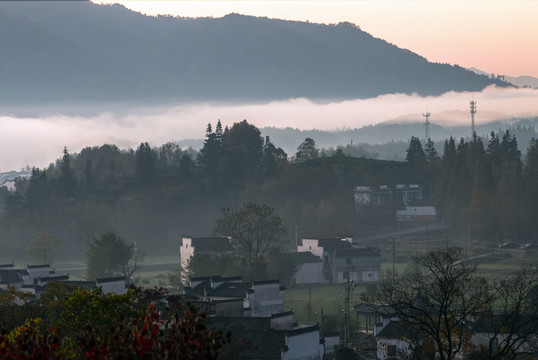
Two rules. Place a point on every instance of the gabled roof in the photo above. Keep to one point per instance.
(85, 285)
(254, 336)
(209, 244)
(393, 330)
(333, 243)
(360, 252)
(11, 276)
(199, 290)
(53, 278)
(38, 266)
(230, 290)
(266, 282)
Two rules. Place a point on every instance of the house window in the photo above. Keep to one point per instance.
(310, 247)
(348, 261)
(346, 274)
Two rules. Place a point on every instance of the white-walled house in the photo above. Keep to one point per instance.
(341, 261)
(417, 213)
(303, 344)
(212, 246)
(391, 340)
(114, 285)
(309, 268)
(265, 298)
(277, 337)
(258, 298)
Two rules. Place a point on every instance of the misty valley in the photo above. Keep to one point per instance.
(245, 187)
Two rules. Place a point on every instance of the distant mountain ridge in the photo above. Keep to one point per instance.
(57, 52)
(519, 81)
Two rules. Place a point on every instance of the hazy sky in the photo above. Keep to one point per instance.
(498, 37)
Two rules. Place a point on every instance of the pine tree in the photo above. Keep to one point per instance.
(67, 179)
(430, 151)
(415, 152)
(145, 163)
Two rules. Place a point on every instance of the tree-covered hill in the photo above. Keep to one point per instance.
(81, 52)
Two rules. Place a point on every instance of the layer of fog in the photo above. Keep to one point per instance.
(37, 141)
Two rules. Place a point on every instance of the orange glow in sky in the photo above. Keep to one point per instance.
(498, 37)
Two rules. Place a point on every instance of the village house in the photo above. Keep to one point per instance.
(232, 297)
(211, 246)
(276, 337)
(34, 278)
(340, 261)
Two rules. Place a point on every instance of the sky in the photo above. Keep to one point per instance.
(498, 37)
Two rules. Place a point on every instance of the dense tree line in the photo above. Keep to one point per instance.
(152, 195)
(488, 188)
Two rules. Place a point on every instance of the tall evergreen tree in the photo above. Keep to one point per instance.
(306, 151)
(67, 179)
(145, 163)
(210, 154)
(430, 152)
(415, 152)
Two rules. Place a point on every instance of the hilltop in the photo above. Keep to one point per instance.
(84, 53)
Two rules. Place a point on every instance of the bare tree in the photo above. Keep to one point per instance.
(434, 300)
(511, 323)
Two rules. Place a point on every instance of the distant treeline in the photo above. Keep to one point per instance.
(155, 195)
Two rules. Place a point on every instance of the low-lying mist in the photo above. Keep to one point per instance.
(39, 140)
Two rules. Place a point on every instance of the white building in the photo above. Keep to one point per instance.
(212, 246)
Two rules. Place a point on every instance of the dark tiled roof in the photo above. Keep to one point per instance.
(54, 278)
(10, 276)
(305, 257)
(85, 285)
(7, 265)
(198, 290)
(37, 266)
(362, 252)
(266, 282)
(209, 244)
(230, 289)
(333, 243)
(254, 336)
(286, 313)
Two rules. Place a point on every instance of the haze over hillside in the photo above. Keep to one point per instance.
(81, 52)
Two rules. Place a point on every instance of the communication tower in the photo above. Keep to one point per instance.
(427, 125)
(473, 111)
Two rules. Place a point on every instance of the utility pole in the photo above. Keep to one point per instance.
(309, 302)
(350, 285)
(393, 242)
